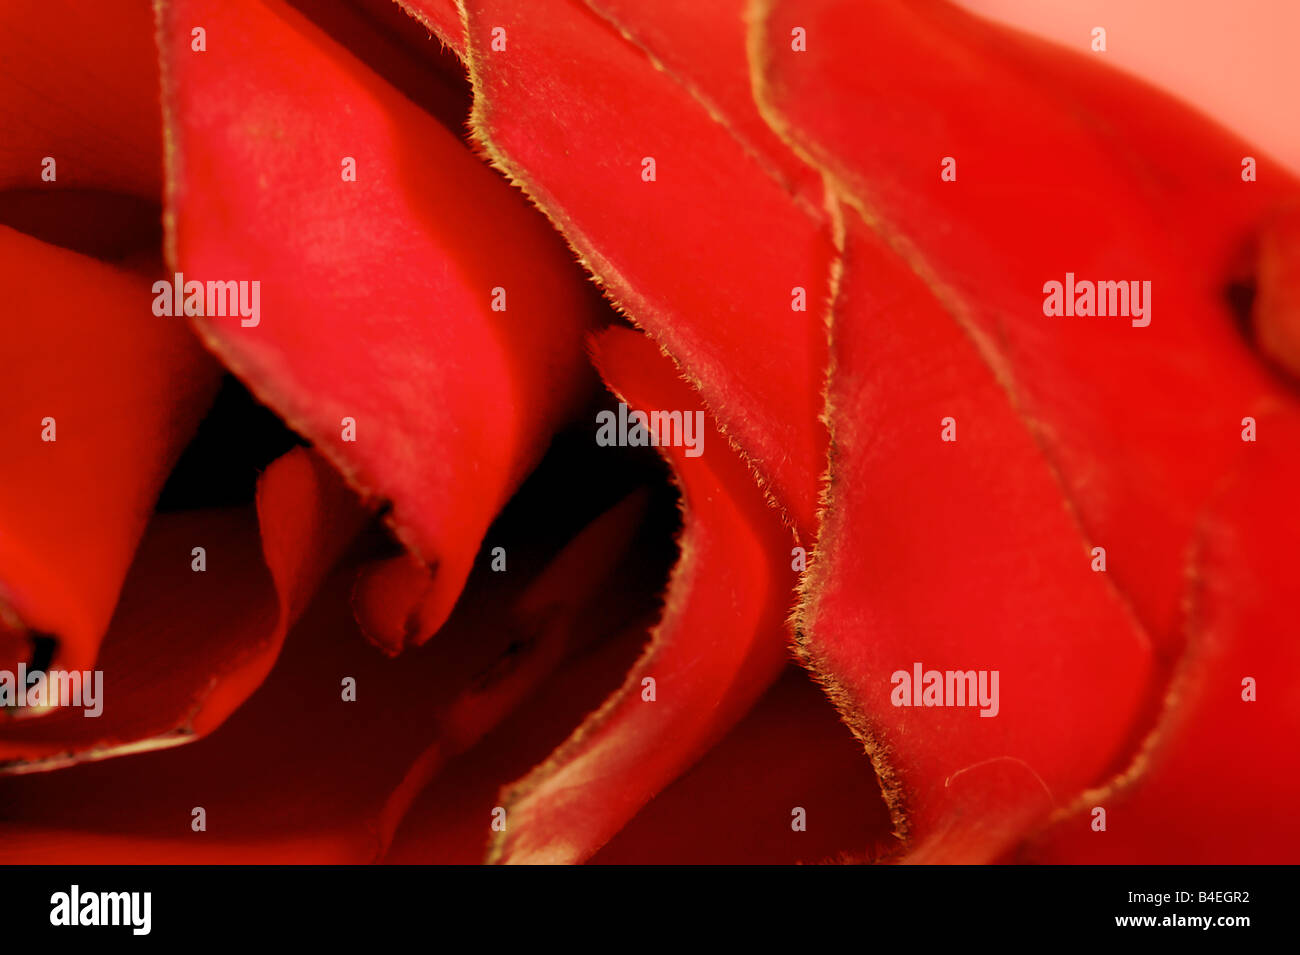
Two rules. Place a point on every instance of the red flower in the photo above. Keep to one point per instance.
(992, 351)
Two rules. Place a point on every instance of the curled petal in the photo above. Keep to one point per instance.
(451, 822)
(675, 217)
(718, 645)
(442, 19)
(165, 684)
(337, 742)
(418, 322)
(703, 47)
(99, 398)
(1006, 588)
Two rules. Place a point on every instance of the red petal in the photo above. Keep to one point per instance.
(386, 36)
(1277, 302)
(691, 256)
(1217, 781)
(719, 644)
(164, 684)
(441, 18)
(79, 84)
(702, 46)
(376, 294)
(125, 390)
(737, 805)
(1062, 166)
(330, 778)
(451, 820)
(957, 556)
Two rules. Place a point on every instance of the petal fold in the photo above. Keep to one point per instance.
(675, 218)
(417, 321)
(718, 645)
(325, 760)
(100, 396)
(166, 682)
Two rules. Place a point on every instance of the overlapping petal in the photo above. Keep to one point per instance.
(454, 820)
(420, 324)
(312, 769)
(1091, 432)
(442, 18)
(740, 177)
(719, 644)
(1214, 782)
(788, 785)
(1062, 166)
(956, 556)
(685, 248)
(191, 641)
(99, 398)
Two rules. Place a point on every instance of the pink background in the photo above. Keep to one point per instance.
(1236, 60)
